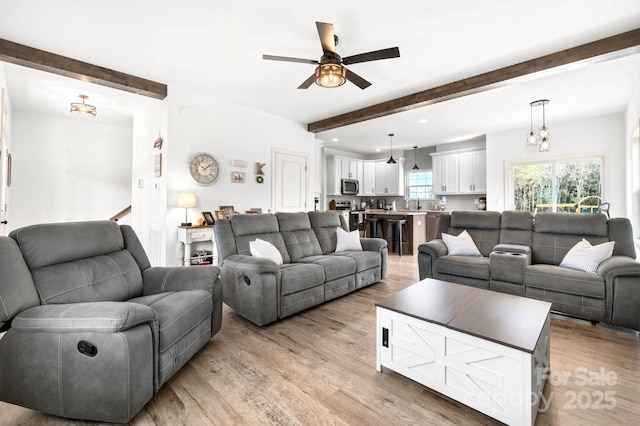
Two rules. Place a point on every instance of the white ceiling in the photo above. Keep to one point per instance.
(217, 47)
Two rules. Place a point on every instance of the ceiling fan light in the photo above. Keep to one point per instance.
(83, 108)
(330, 75)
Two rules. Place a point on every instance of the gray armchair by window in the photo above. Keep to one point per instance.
(92, 330)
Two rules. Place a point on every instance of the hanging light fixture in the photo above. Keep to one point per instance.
(415, 163)
(83, 108)
(542, 137)
(391, 160)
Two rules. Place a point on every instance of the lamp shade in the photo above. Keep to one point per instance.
(187, 200)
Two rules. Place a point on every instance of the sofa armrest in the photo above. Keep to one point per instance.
(435, 248)
(622, 280)
(373, 244)
(100, 317)
(513, 248)
(160, 279)
(619, 266)
(428, 253)
(251, 287)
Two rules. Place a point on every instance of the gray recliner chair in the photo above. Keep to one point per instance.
(92, 330)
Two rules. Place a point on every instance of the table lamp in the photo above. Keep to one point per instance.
(186, 200)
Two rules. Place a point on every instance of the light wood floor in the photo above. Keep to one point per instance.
(318, 368)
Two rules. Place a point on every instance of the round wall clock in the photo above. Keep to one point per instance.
(203, 168)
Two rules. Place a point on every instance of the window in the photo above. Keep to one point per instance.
(559, 186)
(420, 185)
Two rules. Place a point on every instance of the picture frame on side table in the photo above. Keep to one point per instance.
(220, 214)
(228, 211)
(208, 218)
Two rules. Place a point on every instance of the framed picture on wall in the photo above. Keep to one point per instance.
(237, 177)
(157, 165)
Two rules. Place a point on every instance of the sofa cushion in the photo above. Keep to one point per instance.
(247, 228)
(177, 313)
(460, 245)
(324, 224)
(261, 248)
(300, 276)
(53, 243)
(348, 241)
(299, 239)
(516, 228)
(364, 259)
(564, 280)
(464, 266)
(484, 228)
(334, 266)
(573, 224)
(551, 248)
(585, 257)
(114, 277)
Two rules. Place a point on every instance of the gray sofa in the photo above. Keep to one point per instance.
(521, 255)
(312, 273)
(92, 330)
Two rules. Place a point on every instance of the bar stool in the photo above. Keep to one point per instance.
(398, 231)
(371, 224)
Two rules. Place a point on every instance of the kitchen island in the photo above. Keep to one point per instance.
(416, 225)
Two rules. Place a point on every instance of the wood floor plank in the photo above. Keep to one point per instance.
(318, 368)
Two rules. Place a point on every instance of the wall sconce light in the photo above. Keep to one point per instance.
(391, 160)
(83, 108)
(542, 138)
(186, 200)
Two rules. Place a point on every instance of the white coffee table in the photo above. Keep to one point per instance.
(486, 349)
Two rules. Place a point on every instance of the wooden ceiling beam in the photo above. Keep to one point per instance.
(50, 62)
(617, 46)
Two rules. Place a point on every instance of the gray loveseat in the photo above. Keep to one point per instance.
(92, 330)
(521, 255)
(312, 273)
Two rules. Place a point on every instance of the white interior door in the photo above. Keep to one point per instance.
(289, 181)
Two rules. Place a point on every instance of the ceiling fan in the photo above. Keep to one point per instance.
(330, 71)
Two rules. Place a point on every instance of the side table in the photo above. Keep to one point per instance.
(193, 234)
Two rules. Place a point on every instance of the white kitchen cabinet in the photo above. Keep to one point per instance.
(390, 178)
(368, 181)
(339, 168)
(445, 174)
(460, 172)
(473, 172)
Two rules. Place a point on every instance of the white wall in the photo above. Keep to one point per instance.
(595, 135)
(632, 120)
(197, 122)
(148, 192)
(67, 169)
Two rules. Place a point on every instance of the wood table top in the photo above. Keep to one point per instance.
(510, 320)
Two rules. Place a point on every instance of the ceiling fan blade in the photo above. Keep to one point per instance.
(392, 52)
(356, 79)
(327, 39)
(308, 82)
(288, 59)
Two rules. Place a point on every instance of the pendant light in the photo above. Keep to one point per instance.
(391, 160)
(83, 108)
(415, 164)
(542, 138)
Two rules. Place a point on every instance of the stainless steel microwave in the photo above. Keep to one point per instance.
(349, 187)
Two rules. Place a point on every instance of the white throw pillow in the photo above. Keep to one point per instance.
(585, 257)
(262, 248)
(462, 245)
(347, 241)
